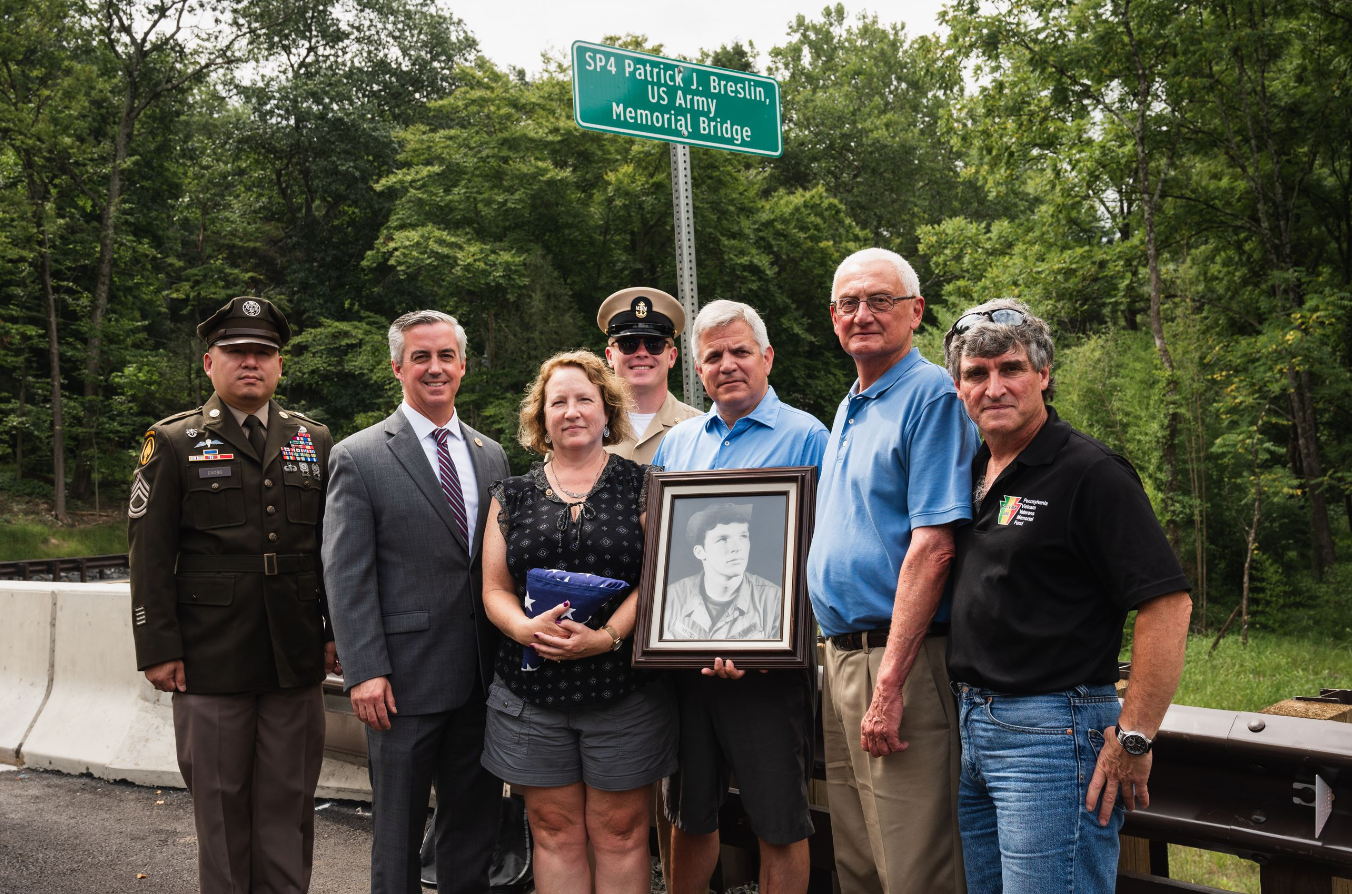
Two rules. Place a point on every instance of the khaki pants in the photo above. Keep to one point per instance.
(252, 763)
(894, 819)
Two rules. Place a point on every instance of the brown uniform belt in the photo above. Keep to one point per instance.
(850, 642)
(268, 563)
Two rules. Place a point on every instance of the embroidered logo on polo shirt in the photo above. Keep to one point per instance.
(1017, 510)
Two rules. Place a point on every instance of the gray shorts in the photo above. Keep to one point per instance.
(613, 747)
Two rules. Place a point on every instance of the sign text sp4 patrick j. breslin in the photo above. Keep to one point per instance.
(640, 95)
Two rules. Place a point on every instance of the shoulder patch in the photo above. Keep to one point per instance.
(148, 447)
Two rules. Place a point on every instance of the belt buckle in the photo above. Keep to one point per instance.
(270, 564)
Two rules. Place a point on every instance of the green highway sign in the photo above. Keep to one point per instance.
(640, 95)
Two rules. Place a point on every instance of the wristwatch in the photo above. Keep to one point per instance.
(1134, 743)
(615, 646)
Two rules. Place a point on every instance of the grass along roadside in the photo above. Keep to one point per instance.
(41, 540)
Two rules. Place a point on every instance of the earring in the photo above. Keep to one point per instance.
(548, 439)
(605, 432)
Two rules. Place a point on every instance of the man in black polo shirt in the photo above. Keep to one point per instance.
(1063, 545)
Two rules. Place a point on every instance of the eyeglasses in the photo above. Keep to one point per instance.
(628, 344)
(1005, 316)
(879, 304)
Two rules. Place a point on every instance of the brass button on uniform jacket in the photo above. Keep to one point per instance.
(225, 560)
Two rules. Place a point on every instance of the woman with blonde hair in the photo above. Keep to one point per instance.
(582, 734)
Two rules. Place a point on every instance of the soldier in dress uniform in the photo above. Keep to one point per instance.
(641, 326)
(228, 607)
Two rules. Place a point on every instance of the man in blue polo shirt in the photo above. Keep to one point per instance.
(757, 726)
(896, 478)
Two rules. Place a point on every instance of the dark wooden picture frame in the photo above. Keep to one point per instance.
(784, 499)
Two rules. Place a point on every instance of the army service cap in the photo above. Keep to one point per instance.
(707, 519)
(246, 321)
(641, 311)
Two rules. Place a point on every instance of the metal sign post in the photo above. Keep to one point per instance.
(683, 103)
(683, 211)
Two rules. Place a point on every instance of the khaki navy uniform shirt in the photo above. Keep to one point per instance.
(225, 565)
(641, 450)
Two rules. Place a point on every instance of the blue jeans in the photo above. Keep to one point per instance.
(1026, 765)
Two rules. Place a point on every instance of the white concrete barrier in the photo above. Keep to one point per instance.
(26, 616)
(101, 716)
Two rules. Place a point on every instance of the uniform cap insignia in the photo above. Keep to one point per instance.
(252, 308)
(640, 309)
(140, 496)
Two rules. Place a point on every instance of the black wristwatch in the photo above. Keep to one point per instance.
(1134, 743)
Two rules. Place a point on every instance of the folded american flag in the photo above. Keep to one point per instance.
(547, 588)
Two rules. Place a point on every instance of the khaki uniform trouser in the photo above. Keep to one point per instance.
(894, 819)
(252, 763)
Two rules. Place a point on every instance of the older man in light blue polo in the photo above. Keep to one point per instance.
(896, 478)
(757, 726)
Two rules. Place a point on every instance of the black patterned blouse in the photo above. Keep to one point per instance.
(605, 539)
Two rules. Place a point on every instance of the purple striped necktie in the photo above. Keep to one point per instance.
(450, 482)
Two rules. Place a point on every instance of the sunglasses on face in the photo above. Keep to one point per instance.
(1005, 316)
(653, 344)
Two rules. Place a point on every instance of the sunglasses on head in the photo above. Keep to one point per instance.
(1005, 316)
(628, 344)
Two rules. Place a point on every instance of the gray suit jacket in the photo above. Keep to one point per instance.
(405, 589)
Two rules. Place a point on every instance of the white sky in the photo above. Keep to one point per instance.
(515, 32)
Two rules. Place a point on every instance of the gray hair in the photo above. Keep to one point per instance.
(910, 283)
(421, 318)
(720, 313)
(991, 339)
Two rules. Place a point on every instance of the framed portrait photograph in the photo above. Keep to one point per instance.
(725, 569)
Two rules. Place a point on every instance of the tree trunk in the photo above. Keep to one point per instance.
(23, 415)
(1171, 426)
(54, 362)
(1248, 567)
(1302, 412)
(102, 287)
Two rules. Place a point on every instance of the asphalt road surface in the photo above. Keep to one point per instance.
(64, 834)
(79, 835)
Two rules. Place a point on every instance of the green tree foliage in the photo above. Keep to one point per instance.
(1169, 182)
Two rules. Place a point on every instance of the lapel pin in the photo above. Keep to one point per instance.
(284, 414)
(214, 413)
(478, 443)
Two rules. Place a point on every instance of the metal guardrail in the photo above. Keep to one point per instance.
(24, 569)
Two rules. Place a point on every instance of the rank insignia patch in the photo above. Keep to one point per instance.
(140, 496)
(300, 448)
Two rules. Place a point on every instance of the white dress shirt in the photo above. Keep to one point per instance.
(459, 450)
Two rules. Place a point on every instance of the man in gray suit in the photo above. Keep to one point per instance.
(407, 504)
